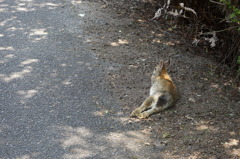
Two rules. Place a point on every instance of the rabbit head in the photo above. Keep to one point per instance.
(161, 70)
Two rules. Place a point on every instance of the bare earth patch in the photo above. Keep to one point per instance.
(205, 122)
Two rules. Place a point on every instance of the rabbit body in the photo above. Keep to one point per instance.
(163, 93)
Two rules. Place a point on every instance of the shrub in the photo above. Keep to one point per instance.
(217, 22)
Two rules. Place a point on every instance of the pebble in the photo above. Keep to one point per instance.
(192, 100)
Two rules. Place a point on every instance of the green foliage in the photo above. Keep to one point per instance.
(221, 17)
(238, 62)
(235, 12)
(235, 18)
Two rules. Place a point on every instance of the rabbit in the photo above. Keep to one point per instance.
(163, 93)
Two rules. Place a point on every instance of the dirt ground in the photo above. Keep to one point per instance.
(205, 122)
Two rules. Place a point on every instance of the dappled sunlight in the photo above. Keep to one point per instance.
(206, 127)
(119, 42)
(7, 48)
(79, 153)
(59, 62)
(3, 10)
(99, 113)
(7, 21)
(49, 5)
(124, 119)
(75, 136)
(194, 155)
(236, 152)
(76, 143)
(28, 61)
(26, 6)
(230, 143)
(13, 29)
(24, 157)
(16, 75)
(37, 76)
(38, 34)
(27, 93)
(202, 140)
(29, 156)
(86, 64)
(10, 56)
(132, 140)
(80, 62)
(169, 43)
(76, 2)
(231, 147)
(83, 142)
(161, 38)
(21, 8)
(6, 57)
(26, 0)
(63, 65)
(66, 82)
(232, 133)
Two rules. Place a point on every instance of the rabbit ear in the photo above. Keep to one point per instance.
(167, 63)
(161, 63)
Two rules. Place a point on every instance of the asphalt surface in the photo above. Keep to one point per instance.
(54, 101)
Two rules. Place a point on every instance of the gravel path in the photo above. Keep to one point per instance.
(54, 98)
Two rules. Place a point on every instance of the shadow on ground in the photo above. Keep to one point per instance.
(54, 97)
(205, 122)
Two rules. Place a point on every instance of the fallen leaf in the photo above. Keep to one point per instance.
(166, 135)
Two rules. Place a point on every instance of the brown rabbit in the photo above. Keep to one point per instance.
(163, 93)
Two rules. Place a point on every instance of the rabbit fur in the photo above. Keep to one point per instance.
(163, 93)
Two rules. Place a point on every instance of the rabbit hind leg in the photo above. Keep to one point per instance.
(161, 104)
(148, 103)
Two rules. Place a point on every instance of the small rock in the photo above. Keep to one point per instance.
(147, 143)
(81, 15)
(192, 100)
(215, 86)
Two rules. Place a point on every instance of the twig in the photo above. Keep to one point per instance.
(216, 2)
(105, 2)
(222, 30)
